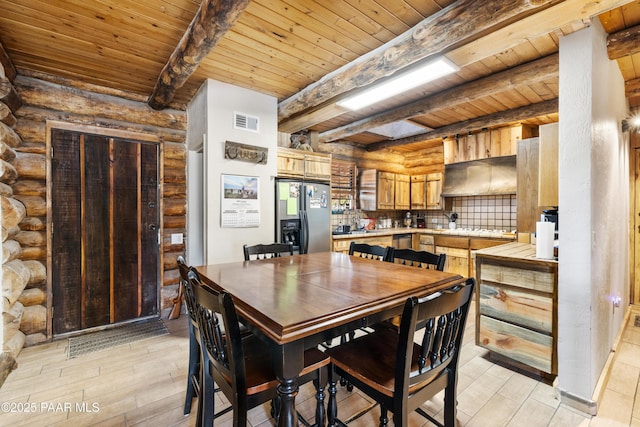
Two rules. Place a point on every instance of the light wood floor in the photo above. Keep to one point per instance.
(143, 383)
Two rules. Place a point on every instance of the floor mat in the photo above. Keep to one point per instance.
(116, 336)
(637, 322)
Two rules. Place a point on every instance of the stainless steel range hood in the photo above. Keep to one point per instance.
(492, 176)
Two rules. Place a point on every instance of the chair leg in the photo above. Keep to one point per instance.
(384, 416)
(193, 372)
(320, 412)
(332, 405)
(207, 400)
(450, 403)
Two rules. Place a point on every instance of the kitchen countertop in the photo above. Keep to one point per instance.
(494, 234)
(514, 252)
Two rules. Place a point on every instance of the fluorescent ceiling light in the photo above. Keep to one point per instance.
(430, 71)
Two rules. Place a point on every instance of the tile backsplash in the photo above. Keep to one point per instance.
(483, 212)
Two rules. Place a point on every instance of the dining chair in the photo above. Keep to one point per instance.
(271, 250)
(401, 371)
(241, 365)
(421, 259)
(364, 250)
(424, 259)
(193, 373)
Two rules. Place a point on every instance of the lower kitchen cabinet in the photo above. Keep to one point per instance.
(342, 245)
(516, 305)
(457, 251)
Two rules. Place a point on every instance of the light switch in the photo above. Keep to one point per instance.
(176, 238)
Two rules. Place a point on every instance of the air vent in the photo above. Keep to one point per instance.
(245, 122)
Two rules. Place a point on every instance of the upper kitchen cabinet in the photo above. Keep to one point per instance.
(548, 166)
(482, 145)
(304, 164)
(426, 191)
(434, 191)
(403, 192)
(419, 192)
(386, 190)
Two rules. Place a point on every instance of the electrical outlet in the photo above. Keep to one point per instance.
(434, 220)
(176, 239)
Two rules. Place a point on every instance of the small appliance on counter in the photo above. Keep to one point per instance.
(420, 221)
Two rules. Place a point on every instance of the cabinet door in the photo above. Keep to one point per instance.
(386, 190)
(419, 192)
(434, 191)
(403, 192)
(548, 166)
(457, 260)
(290, 164)
(317, 167)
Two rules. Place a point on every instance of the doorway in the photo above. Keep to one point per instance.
(104, 231)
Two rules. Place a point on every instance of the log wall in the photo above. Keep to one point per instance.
(15, 272)
(25, 173)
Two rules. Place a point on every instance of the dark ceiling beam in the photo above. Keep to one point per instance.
(438, 33)
(623, 43)
(213, 19)
(522, 75)
(632, 88)
(492, 120)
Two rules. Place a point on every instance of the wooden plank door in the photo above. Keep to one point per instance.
(105, 216)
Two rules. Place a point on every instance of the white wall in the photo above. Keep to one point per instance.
(593, 199)
(215, 120)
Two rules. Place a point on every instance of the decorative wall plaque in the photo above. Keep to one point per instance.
(245, 152)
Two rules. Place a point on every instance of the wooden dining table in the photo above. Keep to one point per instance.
(295, 303)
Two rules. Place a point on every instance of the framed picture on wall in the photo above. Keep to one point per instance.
(240, 201)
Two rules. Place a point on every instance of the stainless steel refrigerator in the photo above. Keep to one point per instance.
(303, 215)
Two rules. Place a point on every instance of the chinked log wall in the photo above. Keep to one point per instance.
(93, 106)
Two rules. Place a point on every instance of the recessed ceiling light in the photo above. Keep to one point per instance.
(430, 71)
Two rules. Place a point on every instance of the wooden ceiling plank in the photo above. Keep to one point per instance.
(321, 12)
(293, 76)
(213, 20)
(122, 41)
(380, 14)
(262, 38)
(434, 34)
(313, 21)
(496, 119)
(306, 38)
(429, 7)
(521, 75)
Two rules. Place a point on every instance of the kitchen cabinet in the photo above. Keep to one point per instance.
(426, 243)
(457, 251)
(304, 165)
(386, 190)
(548, 165)
(494, 143)
(403, 192)
(527, 170)
(516, 305)
(434, 191)
(419, 192)
(342, 245)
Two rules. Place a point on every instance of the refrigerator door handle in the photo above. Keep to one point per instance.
(303, 233)
(305, 226)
